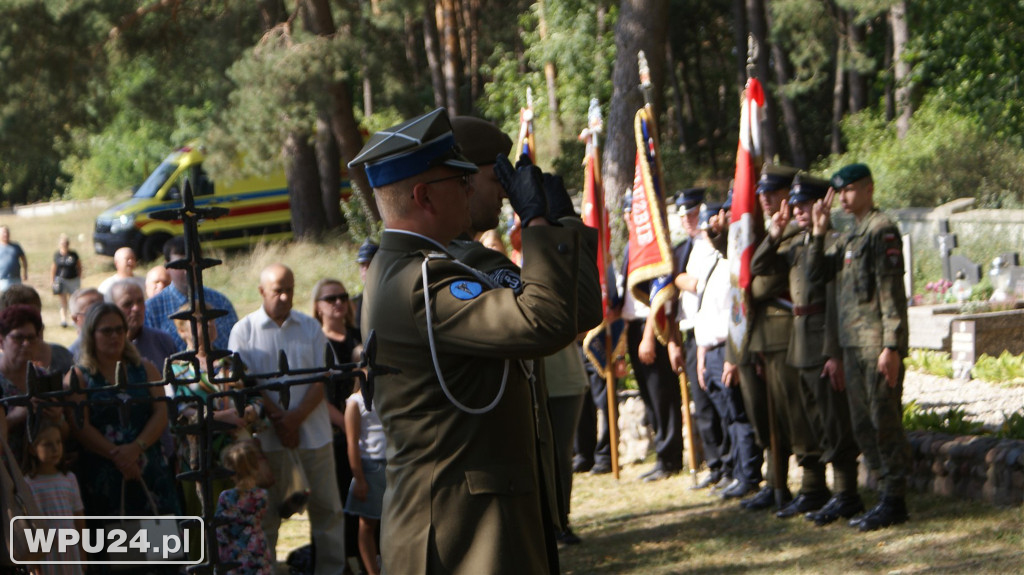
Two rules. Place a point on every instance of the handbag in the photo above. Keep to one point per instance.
(57, 285)
(150, 530)
(17, 501)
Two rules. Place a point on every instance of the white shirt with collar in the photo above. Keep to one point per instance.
(701, 258)
(258, 340)
(712, 325)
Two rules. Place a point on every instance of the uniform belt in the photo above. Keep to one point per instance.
(814, 308)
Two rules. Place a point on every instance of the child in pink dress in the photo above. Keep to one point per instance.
(242, 540)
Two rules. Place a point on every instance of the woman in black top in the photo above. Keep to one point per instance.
(65, 275)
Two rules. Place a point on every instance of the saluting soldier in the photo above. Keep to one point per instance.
(867, 263)
(797, 422)
(463, 490)
(564, 379)
(813, 349)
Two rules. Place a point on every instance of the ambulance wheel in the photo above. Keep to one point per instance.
(153, 247)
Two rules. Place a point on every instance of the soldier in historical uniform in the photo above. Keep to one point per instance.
(464, 495)
(813, 349)
(768, 335)
(867, 263)
(799, 423)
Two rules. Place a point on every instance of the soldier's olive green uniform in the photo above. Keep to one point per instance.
(463, 489)
(773, 327)
(867, 263)
(811, 342)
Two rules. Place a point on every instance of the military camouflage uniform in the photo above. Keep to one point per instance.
(872, 308)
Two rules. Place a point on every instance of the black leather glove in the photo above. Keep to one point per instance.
(524, 186)
(559, 202)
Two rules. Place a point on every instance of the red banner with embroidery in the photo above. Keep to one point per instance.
(649, 276)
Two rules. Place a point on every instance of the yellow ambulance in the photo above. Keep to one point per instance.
(258, 209)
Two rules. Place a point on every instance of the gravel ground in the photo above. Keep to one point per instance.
(982, 400)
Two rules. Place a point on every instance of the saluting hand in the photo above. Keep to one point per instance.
(821, 213)
(524, 186)
(780, 220)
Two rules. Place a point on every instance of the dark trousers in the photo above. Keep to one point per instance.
(714, 434)
(592, 444)
(745, 453)
(659, 389)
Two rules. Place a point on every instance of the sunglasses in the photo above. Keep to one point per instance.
(110, 331)
(334, 299)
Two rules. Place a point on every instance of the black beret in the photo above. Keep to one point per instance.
(850, 174)
(480, 140)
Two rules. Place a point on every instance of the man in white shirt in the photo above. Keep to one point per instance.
(719, 379)
(303, 425)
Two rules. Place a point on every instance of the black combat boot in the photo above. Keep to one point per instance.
(890, 511)
(843, 504)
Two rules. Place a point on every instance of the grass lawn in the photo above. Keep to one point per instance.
(626, 526)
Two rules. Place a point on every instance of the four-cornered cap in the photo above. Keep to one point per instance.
(366, 252)
(775, 177)
(481, 141)
(706, 211)
(806, 187)
(689, 199)
(850, 174)
(411, 148)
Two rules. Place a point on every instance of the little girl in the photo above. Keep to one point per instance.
(242, 539)
(366, 445)
(56, 491)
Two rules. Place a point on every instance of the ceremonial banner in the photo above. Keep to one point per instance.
(746, 217)
(524, 145)
(650, 253)
(595, 215)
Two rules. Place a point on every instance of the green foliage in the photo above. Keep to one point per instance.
(1012, 427)
(944, 156)
(953, 420)
(929, 361)
(1006, 368)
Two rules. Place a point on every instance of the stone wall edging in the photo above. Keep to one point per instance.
(969, 467)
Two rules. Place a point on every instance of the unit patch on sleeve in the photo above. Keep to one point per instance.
(466, 290)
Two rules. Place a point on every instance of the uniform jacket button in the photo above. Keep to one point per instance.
(563, 248)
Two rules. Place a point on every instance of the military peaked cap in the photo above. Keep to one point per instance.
(850, 174)
(775, 177)
(481, 141)
(366, 252)
(806, 187)
(706, 211)
(728, 199)
(690, 199)
(411, 148)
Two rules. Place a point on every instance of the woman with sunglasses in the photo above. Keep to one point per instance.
(119, 455)
(333, 308)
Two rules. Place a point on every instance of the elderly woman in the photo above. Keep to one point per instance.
(120, 455)
(21, 328)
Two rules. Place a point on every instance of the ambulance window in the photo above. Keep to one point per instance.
(155, 181)
(204, 187)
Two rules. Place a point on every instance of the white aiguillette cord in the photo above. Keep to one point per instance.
(433, 348)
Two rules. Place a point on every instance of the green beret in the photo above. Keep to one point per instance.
(850, 174)
(481, 141)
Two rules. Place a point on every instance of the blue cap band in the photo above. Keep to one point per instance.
(396, 168)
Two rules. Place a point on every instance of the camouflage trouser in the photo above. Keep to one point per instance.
(876, 414)
(838, 445)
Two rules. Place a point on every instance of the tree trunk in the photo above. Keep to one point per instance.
(900, 37)
(678, 113)
(739, 34)
(433, 50)
(473, 70)
(759, 29)
(452, 66)
(303, 187)
(790, 117)
(837, 95)
(343, 119)
(549, 77)
(641, 26)
(328, 158)
(858, 83)
(411, 54)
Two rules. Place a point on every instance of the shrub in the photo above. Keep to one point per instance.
(934, 362)
(1006, 368)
